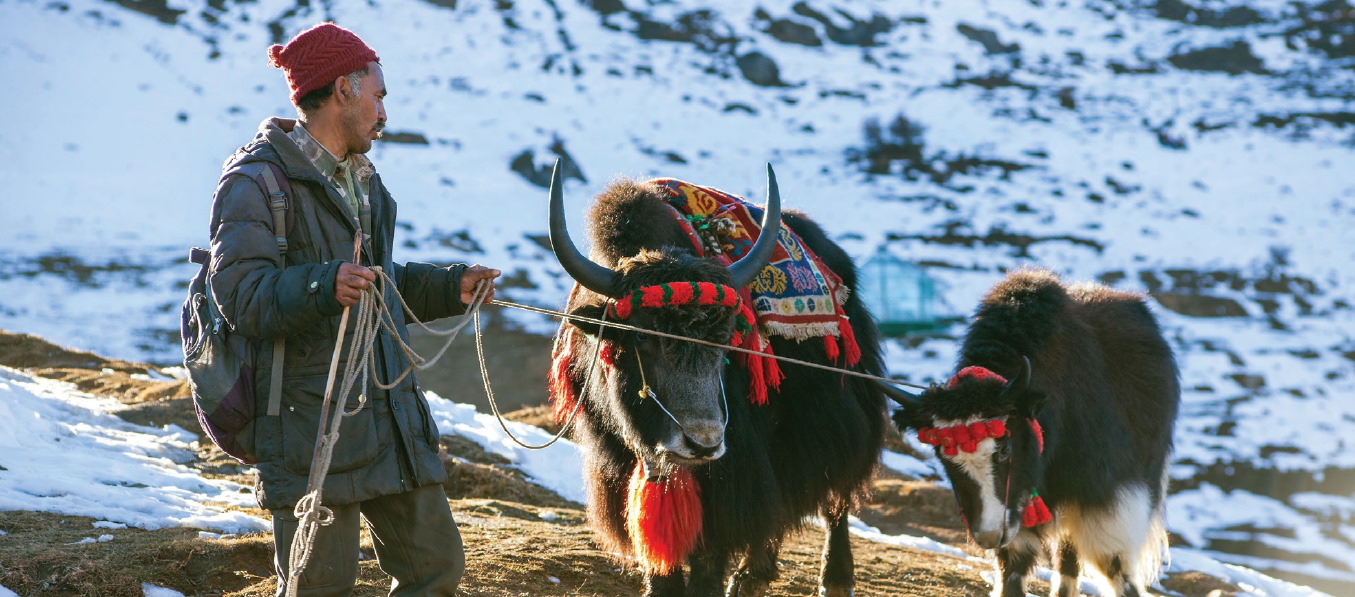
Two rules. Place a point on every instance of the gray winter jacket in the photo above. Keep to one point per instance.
(391, 445)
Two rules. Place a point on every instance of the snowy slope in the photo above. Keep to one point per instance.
(1198, 151)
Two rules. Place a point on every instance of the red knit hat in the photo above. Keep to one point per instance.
(317, 56)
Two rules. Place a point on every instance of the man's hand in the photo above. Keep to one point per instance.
(351, 281)
(471, 276)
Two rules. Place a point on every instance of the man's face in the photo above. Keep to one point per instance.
(365, 113)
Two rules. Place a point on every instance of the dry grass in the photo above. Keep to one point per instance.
(511, 550)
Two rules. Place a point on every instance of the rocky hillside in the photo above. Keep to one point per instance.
(1194, 150)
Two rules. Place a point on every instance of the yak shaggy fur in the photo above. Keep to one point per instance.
(1090, 431)
(812, 449)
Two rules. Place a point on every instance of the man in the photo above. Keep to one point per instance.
(385, 465)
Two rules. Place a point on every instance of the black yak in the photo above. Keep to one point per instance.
(682, 467)
(1056, 430)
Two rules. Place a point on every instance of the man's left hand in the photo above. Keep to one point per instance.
(472, 276)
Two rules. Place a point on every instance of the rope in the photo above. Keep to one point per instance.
(311, 515)
(632, 328)
(373, 315)
(494, 405)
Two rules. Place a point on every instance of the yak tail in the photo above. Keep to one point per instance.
(1154, 553)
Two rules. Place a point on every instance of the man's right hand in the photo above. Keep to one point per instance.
(351, 281)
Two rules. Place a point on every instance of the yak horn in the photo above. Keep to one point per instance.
(744, 270)
(900, 396)
(1022, 378)
(588, 274)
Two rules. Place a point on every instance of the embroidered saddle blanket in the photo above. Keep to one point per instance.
(795, 296)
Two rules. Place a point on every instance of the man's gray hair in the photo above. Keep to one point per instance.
(312, 100)
(355, 79)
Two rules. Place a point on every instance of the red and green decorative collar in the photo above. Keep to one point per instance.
(763, 370)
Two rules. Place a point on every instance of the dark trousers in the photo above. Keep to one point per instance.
(415, 538)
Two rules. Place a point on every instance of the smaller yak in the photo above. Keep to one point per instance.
(1056, 431)
(693, 456)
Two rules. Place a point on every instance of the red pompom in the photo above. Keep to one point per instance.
(1036, 513)
(976, 373)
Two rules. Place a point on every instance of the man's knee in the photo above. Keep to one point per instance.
(331, 566)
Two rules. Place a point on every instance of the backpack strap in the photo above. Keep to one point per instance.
(277, 203)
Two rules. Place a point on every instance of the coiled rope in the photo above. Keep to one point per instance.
(372, 314)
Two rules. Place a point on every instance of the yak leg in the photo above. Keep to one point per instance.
(1121, 580)
(836, 578)
(664, 585)
(1066, 583)
(707, 575)
(1014, 563)
(757, 571)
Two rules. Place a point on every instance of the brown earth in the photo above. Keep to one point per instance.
(511, 549)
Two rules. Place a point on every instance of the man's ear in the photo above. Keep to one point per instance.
(591, 311)
(343, 89)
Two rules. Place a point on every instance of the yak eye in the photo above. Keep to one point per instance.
(1004, 448)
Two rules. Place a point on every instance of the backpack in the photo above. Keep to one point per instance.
(221, 363)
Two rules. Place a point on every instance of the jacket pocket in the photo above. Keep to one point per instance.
(303, 399)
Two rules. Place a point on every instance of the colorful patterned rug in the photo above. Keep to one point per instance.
(796, 296)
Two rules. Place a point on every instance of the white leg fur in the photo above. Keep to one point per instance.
(1130, 530)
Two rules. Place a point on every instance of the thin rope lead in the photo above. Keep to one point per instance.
(494, 404)
(632, 328)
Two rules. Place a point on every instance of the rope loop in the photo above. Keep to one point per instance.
(371, 316)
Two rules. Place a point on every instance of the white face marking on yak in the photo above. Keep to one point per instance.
(978, 466)
(985, 434)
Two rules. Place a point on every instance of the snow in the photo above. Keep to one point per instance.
(63, 451)
(53, 436)
(98, 211)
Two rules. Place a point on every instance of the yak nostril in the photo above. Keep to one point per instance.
(699, 449)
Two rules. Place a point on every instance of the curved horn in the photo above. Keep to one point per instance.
(744, 270)
(1022, 378)
(588, 274)
(900, 396)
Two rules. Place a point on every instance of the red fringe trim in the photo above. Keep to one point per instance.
(664, 520)
(763, 370)
(1036, 513)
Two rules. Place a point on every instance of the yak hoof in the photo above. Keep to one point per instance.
(744, 585)
(836, 592)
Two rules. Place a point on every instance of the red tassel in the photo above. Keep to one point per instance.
(664, 519)
(757, 379)
(1036, 513)
(1039, 432)
(772, 368)
(830, 346)
(849, 341)
(560, 386)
